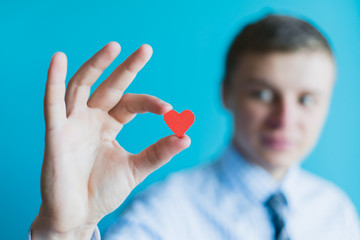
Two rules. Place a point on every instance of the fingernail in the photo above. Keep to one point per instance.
(165, 104)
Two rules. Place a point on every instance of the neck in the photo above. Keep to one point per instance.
(277, 174)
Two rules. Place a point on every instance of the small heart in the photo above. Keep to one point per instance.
(179, 123)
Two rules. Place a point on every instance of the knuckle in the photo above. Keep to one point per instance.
(127, 97)
(157, 153)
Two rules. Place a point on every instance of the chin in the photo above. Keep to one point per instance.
(277, 159)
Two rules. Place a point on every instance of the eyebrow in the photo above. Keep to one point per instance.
(259, 81)
(263, 82)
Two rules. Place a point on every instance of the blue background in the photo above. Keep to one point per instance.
(189, 39)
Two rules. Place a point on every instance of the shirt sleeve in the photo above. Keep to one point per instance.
(96, 235)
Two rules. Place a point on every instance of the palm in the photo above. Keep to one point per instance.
(111, 177)
(83, 162)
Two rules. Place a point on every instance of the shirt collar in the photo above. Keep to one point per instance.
(254, 181)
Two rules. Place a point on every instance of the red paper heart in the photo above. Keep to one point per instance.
(179, 123)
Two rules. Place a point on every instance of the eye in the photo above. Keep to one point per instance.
(263, 95)
(306, 100)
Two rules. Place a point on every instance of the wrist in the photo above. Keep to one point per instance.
(42, 230)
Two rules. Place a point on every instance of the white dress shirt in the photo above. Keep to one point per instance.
(225, 200)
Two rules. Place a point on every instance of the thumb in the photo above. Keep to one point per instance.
(158, 154)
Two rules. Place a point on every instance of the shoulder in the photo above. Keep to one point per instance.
(154, 211)
(326, 193)
(184, 183)
(328, 204)
(182, 186)
(316, 185)
(187, 187)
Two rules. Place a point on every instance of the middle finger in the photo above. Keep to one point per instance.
(78, 90)
(131, 104)
(110, 91)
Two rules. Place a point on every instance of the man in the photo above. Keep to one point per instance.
(279, 76)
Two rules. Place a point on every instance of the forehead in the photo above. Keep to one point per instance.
(287, 70)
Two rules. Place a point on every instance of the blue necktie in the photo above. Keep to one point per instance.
(276, 205)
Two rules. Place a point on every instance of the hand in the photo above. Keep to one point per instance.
(86, 174)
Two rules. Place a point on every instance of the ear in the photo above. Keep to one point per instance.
(225, 96)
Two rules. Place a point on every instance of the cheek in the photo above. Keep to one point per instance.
(312, 127)
(250, 117)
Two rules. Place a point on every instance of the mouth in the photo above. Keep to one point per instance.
(276, 143)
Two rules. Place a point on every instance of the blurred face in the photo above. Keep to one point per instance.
(279, 102)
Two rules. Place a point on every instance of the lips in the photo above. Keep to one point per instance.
(276, 143)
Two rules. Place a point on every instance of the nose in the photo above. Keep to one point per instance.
(282, 115)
